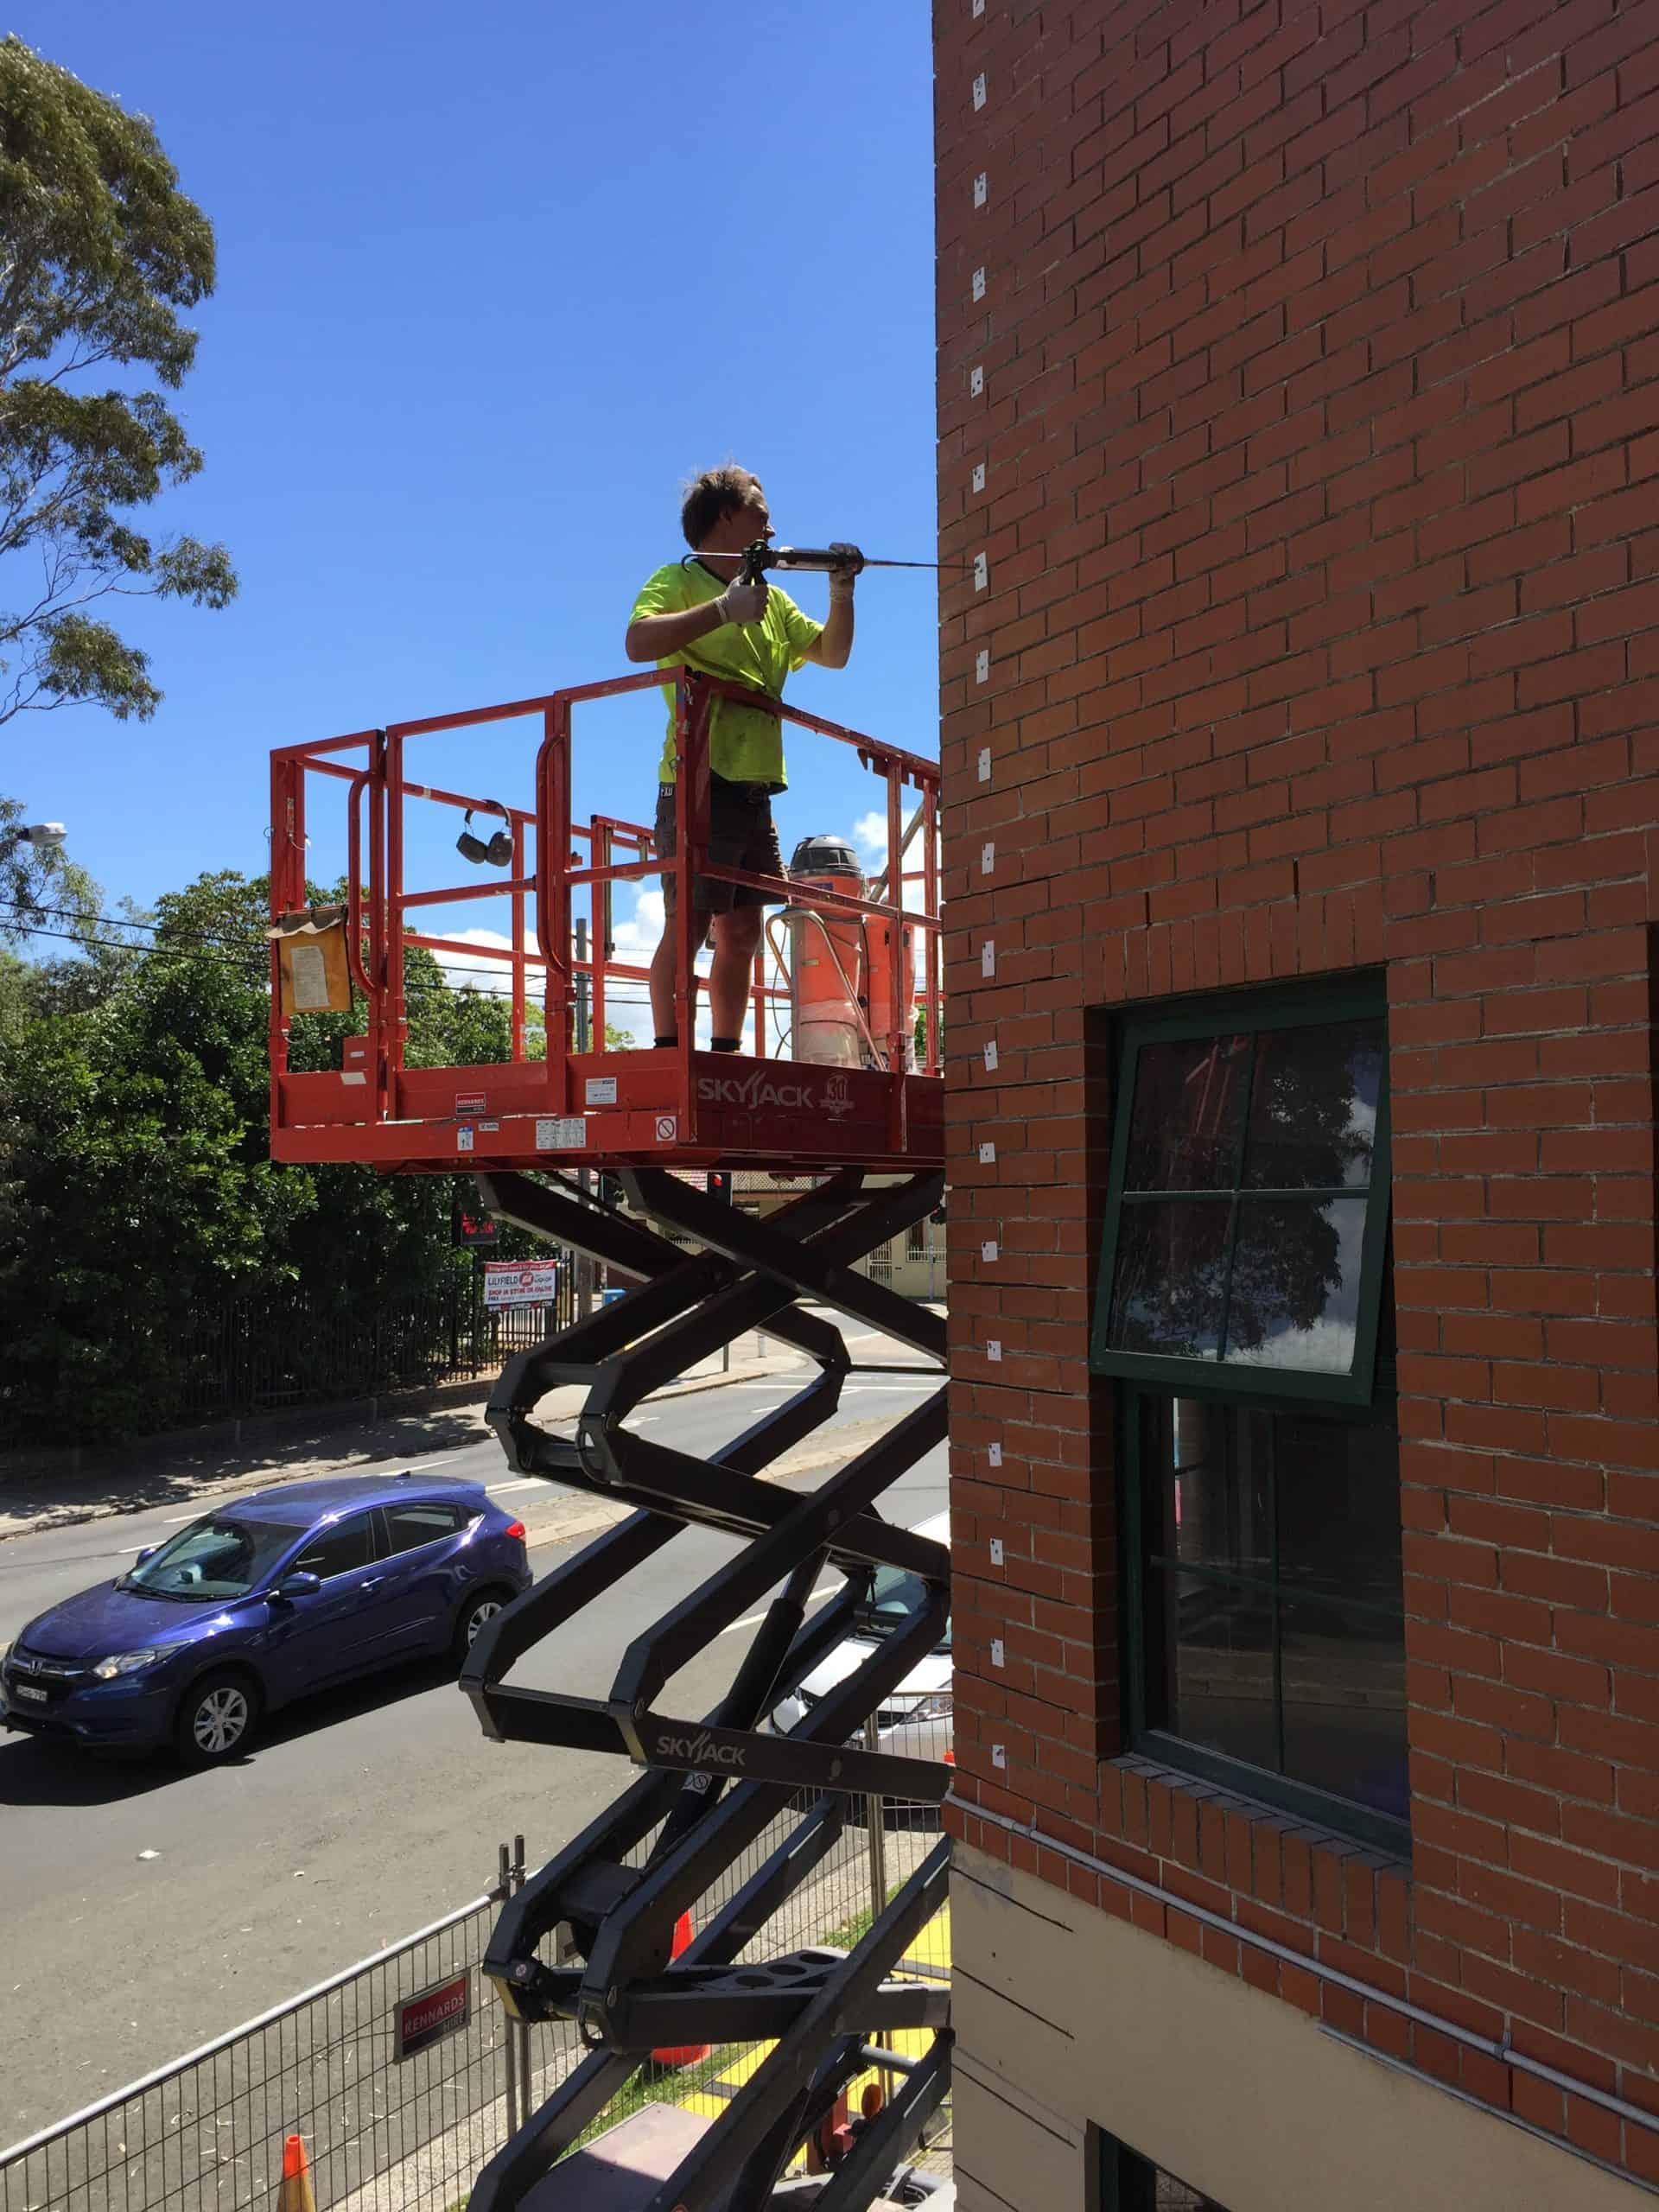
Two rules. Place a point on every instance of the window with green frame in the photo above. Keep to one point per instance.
(1245, 1303)
(1129, 2183)
(1248, 1208)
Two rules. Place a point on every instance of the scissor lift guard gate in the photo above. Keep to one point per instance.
(713, 1784)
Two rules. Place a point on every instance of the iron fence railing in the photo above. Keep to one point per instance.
(386, 2132)
(913, 1274)
(289, 1348)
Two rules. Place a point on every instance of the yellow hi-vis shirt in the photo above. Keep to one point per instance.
(744, 747)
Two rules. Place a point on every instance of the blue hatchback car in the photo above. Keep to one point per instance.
(259, 1602)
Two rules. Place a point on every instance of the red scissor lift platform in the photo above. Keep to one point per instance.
(590, 1109)
(591, 1937)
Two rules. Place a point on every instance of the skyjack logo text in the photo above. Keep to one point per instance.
(752, 1090)
(698, 1751)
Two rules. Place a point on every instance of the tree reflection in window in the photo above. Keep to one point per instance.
(1245, 1211)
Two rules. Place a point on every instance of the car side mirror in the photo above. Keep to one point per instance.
(148, 1552)
(299, 1584)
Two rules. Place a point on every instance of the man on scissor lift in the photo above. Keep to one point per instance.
(694, 611)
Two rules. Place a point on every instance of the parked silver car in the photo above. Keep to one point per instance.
(916, 1718)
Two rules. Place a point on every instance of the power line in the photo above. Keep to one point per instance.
(417, 986)
(250, 960)
(143, 951)
(493, 971)
(248, 965)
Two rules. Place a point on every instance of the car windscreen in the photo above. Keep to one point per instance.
(894, 1596)
(220, 1557)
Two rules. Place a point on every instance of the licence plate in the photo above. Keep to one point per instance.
(24, 1689)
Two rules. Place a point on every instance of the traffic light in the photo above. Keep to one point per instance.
(720, 1184)
(473, 1228)
(610, 1190)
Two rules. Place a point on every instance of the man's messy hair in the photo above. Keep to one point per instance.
(711, 497)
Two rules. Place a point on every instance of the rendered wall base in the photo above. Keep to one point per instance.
(1065, 2017)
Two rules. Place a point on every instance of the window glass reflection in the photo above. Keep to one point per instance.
(1274, 1630)
(1218, 1667)
(1344, 1687)
(1313, 1102)
(1216, 1507)
(1188, 1102)
(1171, 1261)
(1293, 1294)
(1132, 2184)
(1337, 1508)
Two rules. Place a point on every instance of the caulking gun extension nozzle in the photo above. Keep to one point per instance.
(823, 559)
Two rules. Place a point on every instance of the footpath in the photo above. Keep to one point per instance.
(44, 1489)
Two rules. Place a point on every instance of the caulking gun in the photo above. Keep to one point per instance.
(825, 559)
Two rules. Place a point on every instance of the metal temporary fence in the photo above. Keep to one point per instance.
(403, 2075)
(210, 2130)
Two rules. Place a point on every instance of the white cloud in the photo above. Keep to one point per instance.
(627, 1003)
(640, 933)
(493, 977)
(869, 838)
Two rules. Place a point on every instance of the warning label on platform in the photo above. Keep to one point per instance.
(564, 1134)
(601, 1090)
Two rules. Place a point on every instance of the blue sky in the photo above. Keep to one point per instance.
(492, 281)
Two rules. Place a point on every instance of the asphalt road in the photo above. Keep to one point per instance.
(359, 1816)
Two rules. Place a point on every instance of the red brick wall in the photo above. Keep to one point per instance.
(1319, 419)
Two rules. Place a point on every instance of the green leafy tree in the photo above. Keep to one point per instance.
(139, 1200)
(102, 255)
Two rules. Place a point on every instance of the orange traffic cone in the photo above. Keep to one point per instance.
(294, 2194)
(688, 2054)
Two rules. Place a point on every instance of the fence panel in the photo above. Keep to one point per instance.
(206, 2134)
(383, 2135)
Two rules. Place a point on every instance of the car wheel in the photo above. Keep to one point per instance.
(483, 1605)
(216, 1718)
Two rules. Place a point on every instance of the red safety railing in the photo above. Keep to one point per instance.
(559, 883)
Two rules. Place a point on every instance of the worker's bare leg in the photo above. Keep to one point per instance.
(737, 939)
(663, 1014)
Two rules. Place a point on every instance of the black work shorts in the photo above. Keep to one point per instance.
(742, 834)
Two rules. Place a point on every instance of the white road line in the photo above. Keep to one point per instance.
(529, 1482)
(828, 1590)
